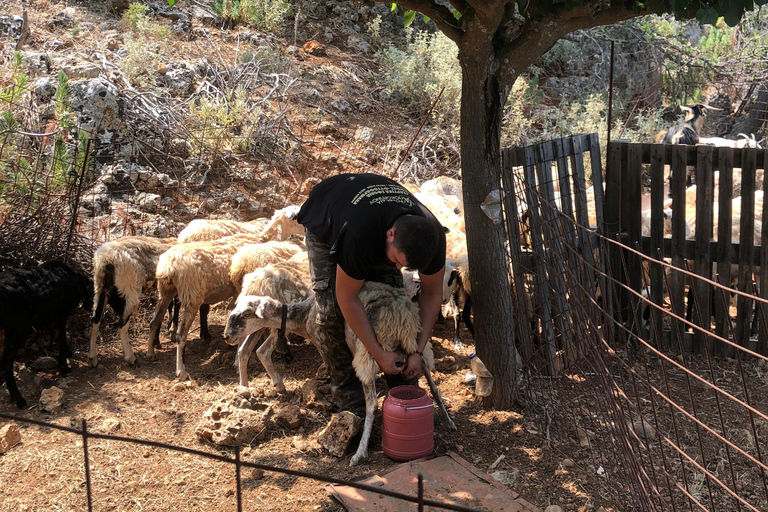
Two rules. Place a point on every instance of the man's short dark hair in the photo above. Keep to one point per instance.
(416, 237)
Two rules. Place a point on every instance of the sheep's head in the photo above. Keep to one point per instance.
(251, 314)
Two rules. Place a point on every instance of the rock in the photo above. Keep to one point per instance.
(111, 425)
(584, 436)
(313, 47)
(326, 128)
(364, 134)
(568, 463)
(51, 399)
(81, 71)
(553, 508)
(227, 425)
(10, 436)
(312, 393)
(289, 416)
(336, 436)
(341, 105)
(643, 429)
(180, 81)
(506, 477)
(44, 89)
(46, 363)
(97, 104)
(359, 43)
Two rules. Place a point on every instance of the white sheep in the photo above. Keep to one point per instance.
(202, 230)
(198, 273)
(249, 257)
(442, 185)
(121, 269)
(443, 208)
(283, 224)
(285, 281)
(394, 318)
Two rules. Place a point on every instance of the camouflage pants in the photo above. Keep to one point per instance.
(347, 391)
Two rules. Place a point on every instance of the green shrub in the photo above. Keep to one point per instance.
(428, 63)
(261, 14)
(135, 13)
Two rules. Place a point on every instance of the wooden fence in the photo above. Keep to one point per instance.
(548, 210)
(722, 238)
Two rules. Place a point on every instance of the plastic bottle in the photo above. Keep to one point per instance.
(484, 382)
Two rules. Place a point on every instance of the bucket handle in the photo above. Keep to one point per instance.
(420, 406)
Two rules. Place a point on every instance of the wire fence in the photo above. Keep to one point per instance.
(239, 464)
(678, 430)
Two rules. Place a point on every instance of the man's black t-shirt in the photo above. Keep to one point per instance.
(352, 213)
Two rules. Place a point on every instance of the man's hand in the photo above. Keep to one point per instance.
(390, 363)
(413, 367)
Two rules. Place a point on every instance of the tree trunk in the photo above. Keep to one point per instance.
(481, 109)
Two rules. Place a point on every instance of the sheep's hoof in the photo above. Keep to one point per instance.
(133, 361)
(182, 375)
(151, 357)
(21, 403)
(457, 345)
(358, 458)
(93, 362)
(451, 425)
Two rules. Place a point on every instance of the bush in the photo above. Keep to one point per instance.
(419, 72)
(261, 14)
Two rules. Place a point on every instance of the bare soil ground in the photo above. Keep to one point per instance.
(46, 471)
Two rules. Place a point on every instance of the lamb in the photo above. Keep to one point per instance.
(121, 269)
(202, 230)
(38, 298)
(285, 281)
(394, 319)
(199, 273)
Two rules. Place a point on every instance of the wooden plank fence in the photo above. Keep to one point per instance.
(735, 259)
(547, 198)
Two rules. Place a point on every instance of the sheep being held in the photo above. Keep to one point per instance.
(394, 318)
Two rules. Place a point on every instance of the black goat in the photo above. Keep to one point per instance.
(38, 298)
(688, 132)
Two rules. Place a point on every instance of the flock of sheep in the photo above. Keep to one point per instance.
(263, 264)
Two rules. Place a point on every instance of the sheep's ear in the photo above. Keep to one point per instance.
(415, 277)
(685, 108)
(446, 229)
(454, 275)
(259, 309)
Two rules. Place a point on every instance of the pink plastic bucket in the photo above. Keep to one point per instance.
(408, 424)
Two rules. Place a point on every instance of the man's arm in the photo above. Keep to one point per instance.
(430, 300)
(347, 289)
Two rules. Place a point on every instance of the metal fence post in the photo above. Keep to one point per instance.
(87, 466)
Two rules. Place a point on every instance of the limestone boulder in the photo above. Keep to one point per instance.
(338, 434)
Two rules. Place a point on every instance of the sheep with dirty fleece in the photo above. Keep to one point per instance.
(198, 273)
(286, 282)
(280, 226)
(394, 318)
(203, 230)
(38, 298)
(251, 256)
(121, 270)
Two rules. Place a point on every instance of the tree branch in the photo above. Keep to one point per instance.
(537, 39)
(442, 16)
